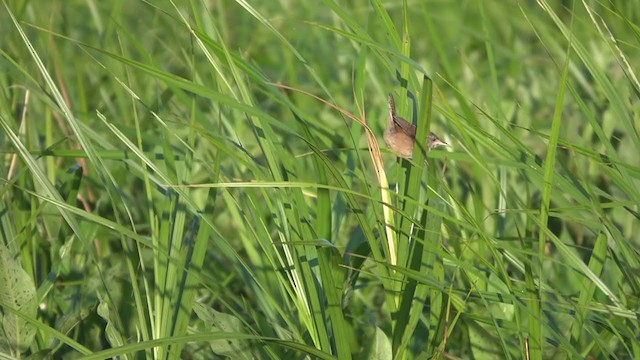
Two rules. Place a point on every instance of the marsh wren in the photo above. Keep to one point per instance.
(400, 135)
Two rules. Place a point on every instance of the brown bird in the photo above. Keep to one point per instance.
(400, 135)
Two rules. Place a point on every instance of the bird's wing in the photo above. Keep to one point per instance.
(406, 127)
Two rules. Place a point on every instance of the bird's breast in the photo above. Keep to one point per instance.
(399, 142)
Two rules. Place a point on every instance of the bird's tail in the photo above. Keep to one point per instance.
(392, 109)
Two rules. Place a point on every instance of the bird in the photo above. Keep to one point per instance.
(400, 135)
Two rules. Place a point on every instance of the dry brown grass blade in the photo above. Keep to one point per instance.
(376, 159)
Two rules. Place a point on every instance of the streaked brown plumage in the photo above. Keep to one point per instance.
(400, 135)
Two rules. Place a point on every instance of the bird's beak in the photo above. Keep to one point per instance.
(438, 142)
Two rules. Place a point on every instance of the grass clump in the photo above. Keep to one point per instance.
(185, 178)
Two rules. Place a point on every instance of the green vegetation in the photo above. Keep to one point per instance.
(201, 179)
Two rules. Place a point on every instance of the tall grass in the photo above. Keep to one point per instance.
(192, 179)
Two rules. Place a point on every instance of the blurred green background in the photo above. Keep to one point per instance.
(201, 179)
